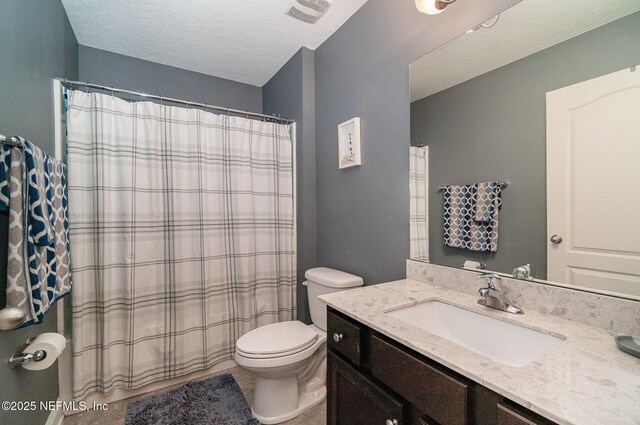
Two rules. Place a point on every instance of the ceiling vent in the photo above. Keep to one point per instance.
(308, 10)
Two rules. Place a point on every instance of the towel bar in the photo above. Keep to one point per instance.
(502, 185)
(10, 141)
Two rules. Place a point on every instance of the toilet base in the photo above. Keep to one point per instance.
(305, 402)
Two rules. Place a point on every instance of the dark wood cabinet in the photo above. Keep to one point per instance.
(441, 396)
(355, 400)
(512, 415)
(372, 380)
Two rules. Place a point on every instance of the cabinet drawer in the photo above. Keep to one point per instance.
(344, 337)
(437, 394)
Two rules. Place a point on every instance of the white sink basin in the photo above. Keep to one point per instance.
(503, 342)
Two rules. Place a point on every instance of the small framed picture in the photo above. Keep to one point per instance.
(349, 143)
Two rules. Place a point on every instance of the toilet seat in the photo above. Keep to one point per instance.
(276, 340)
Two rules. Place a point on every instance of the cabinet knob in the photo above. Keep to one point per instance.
(337, 337)
(391, 422)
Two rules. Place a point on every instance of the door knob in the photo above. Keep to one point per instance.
(556, 239)
(337, 337)
(391, 422)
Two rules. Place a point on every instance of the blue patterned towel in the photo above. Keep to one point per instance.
(461, 229)
(33, 190)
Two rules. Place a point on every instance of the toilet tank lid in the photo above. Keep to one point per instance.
(333, 278)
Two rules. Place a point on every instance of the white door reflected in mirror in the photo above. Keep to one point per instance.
(593, 189)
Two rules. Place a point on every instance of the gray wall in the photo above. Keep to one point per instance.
(493, 128)
(36, 44)
(125, 72)
(291, 93)
(362, 70)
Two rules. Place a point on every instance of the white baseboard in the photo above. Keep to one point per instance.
(55, 417)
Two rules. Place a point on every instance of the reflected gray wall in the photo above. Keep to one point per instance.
(362, 70)
(36, 45)
(493, 128)
(129, 73)
(291, 93)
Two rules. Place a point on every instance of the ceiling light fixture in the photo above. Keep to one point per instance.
(432, 7)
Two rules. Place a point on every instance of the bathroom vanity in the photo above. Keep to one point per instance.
(376, 380)
(383, 370)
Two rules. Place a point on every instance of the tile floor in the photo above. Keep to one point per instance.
(117, 411)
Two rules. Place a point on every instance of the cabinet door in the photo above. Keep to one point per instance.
(355, 400)
(436, 393)
(508, 415)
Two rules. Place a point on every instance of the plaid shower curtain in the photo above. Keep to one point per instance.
(418, 202)
(182, 227)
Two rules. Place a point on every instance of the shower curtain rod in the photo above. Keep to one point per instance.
(81, 84)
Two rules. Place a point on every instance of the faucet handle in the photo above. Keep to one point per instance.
(490, 278)
(484, 291)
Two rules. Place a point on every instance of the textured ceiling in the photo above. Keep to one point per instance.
(526, 28)
(241, 40)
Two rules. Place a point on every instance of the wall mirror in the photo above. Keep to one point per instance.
(544, 97)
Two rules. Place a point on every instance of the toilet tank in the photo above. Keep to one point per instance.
(322, 280)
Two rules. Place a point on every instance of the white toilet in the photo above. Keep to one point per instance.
(289, 358)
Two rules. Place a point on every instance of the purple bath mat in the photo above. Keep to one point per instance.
(214, 401)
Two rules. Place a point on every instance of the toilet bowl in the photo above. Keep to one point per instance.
(290, 381)
(289, 358)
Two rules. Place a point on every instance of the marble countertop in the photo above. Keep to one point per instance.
(585, 380)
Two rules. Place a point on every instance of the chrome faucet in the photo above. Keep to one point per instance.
(493, 298)
(523, 272)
